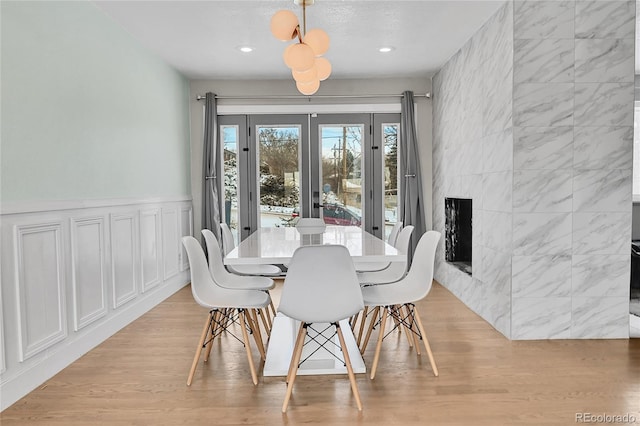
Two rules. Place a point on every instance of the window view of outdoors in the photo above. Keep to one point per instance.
(230, 163)
(279, 175)
(342, 179)
(390, 135)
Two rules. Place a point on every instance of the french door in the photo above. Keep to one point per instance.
(340, 167)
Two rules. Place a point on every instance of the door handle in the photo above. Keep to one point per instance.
(317, 205)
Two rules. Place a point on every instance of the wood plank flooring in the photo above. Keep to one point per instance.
(138, 377)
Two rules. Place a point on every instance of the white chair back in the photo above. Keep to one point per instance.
(228, 243)
(203, 287)
(216, 266)
(311, 225)
(420, 275)
(321, 285)
(397, 270)
(393, 235)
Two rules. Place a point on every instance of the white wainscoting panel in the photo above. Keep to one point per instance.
(150, 238)
(123, 258)
(75, 272)
(3, 364)
(170, 242)
(39, 280)
(186, 228)
(88, 270)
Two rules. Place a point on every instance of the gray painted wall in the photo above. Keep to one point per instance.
(87, 113)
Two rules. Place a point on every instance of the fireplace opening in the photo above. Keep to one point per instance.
(458, 233)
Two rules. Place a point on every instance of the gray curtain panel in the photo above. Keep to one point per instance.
(210, 198)
(412, 205)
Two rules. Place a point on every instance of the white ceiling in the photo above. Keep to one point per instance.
(200, 38)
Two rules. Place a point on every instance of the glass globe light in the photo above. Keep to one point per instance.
(308, 88)
(318, 40)
(324, 68)
(305, 76)
(299, 57)
(284, 24)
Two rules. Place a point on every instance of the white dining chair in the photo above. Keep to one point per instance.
(226, 279)
(310, 225)
(225, 305)
(229, 244)
(398, 299)
(321, 287)
(395, 270)
(378, 266)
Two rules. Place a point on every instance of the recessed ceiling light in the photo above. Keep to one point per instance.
(385, 49)
(245, 49)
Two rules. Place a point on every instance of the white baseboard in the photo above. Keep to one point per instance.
(59, 358)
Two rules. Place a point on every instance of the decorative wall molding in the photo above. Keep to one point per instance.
(3, 364)
(186, 228)
(88, 259)
(123, 258)
(40, 206)
(73, 277)
(150, 239)
(170, 242)
(40, 289)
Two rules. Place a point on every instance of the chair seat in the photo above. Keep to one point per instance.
(384, 276)
(241, 282)
(371, 266)
(397, 293)
(227, 298)
(268, 270)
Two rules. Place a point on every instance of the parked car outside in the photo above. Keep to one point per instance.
(335, 214)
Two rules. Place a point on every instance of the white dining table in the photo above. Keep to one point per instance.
(276, 246)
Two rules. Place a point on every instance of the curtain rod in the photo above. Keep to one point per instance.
(425, 95)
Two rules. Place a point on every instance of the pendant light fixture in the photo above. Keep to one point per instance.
(304, 57)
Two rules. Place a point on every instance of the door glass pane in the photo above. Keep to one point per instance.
(390, 158)
(278, 174)
(230, 165)
(342, 174)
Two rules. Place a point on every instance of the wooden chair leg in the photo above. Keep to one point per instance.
(411, 329)
(426, 343)
(212, 332)
(301, 330)
(376, 357)
(347, 361)
(273, 309)
(294, 363)
(374, 318)
(252, 319)
(245, 336)
(264, 316)
(363, 320)
(203, 336)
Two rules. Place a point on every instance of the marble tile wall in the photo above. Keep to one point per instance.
(473, 158)
(533, 120)
(573, 118)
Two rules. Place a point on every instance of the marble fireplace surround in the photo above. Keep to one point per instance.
(533, 120)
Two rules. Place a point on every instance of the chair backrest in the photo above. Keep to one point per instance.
(216, 266)
(393, 235)
(228, 243)
(399, 269)
(321, 285)
(310, 225)
(202, 285)
(421, 272)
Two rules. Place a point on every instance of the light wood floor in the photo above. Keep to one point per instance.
(138, 377)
